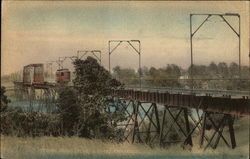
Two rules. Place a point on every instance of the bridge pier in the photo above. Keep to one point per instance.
(218, 126)
(146, 123)
(149, 125)
(143, 123)
(149, 121)
(175, 115)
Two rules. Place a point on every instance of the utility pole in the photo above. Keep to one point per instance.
(132, 44)
(223, 17)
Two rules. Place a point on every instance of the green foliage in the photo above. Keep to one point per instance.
(164, 77)
(220, 76)
(214, 76)
(92, 78)
(68, 109)
(126, 75)
(17, 122)
(4, 100)
(82, 107)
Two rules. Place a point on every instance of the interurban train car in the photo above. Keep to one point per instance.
(33, 74)
(63, 76)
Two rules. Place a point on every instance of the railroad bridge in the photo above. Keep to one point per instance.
(208, 115)
(145, 104)
(153, 112)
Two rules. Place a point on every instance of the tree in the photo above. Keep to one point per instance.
(68, 109)
(212, 68)
(223, 69)
(144, 71)
(233, 70)
(173, 71)
(126, 75)
(93, 83)
(91, 78)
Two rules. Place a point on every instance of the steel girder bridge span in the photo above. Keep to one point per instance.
(153, 116)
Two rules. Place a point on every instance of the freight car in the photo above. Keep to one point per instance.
(63, 76)
(33, 74)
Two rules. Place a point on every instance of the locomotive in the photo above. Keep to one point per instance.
(34, 74)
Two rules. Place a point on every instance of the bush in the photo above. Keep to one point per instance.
(20, 123)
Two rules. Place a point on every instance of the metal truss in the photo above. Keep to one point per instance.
(148, 127)
(145, 125)
(182, 132)
(226, 120)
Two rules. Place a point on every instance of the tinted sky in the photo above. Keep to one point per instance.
(36, 32)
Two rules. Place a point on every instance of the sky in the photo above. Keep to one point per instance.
(42, 31)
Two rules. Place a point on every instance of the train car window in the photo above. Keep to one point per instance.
(27, 71)
(61, 73)
(38, 69)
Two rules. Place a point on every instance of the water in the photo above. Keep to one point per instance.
(36, 106)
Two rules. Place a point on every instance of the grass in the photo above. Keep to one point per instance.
(14, 147)
(74, 148)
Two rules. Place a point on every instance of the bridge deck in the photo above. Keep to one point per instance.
(211, 92)
(226, 105)
(239, 103)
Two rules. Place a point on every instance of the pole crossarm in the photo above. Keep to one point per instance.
(122, 41)
(115, 46)
(67, 57)
(226, 14)
(93, 52)
(138, 51)
(133, 47)
(192, 34)
(229, 25)
(60, 63)
(62, 59)
(222, 16)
